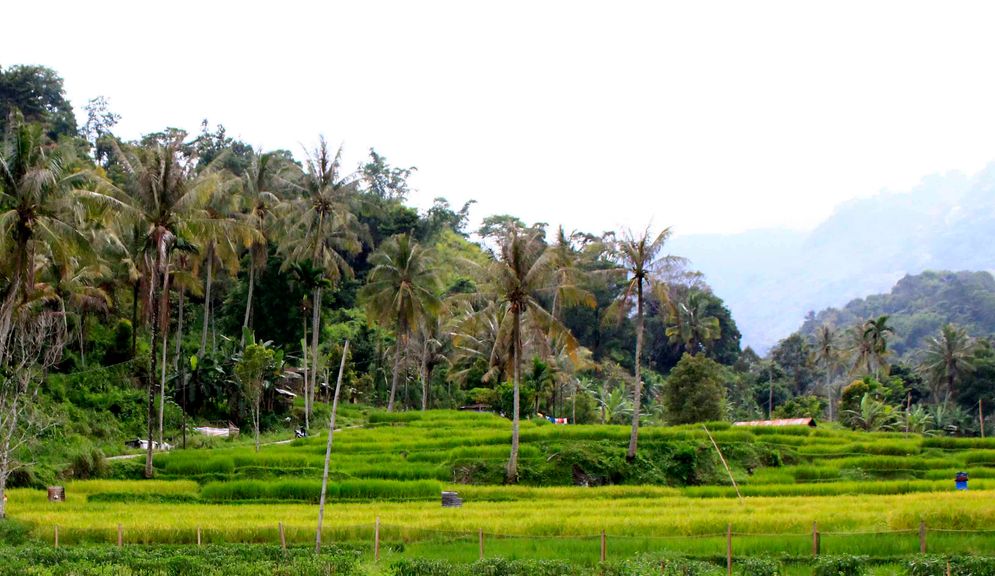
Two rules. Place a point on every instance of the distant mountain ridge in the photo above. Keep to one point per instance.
(918, 306)
(772, 278)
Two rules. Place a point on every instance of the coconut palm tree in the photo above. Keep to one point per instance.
(521, 272)
(641, 258)
(401, 293)
(41, 197)
(947, 358)
(320, 228)
(869, 347)
(164, 199)
(690, 323)
(826, 353)
(260, 206)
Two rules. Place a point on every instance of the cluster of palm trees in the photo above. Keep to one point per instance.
(863, 351)
(164, 223)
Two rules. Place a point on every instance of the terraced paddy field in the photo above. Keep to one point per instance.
(866, 494)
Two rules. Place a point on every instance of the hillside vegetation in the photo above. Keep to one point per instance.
(918, 306)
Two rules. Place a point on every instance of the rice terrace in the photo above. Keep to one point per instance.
(459, 288)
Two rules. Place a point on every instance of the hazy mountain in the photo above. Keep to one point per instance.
(918, 306)
(771, 279)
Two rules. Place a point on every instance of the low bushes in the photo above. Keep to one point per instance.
(234, 560)
(840, 565)
(959, 566)
(488, 567)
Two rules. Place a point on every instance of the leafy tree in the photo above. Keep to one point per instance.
(872, 416)
(947, 358)
(37, 95)
(694, 391)
(251, 369)
(794, 356)
(401, 293)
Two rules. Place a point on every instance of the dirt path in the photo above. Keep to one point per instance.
(275, 442)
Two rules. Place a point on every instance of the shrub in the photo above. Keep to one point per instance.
(13, 532)
(759, 566)
(840, 565)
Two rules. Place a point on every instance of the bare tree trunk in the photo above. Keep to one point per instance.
(315, 365)
(164, 318)
(255, 418)
(207, 299)
(248, 300)
(396, 373)
(637, 395)
(328, 448)
(512, 472)
(829, 393)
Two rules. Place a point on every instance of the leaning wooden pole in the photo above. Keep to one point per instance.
(328, 449)
(722, 458)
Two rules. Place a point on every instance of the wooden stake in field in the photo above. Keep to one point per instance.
(729, 550)
(198, 536)
(816, 539)
(283, 536)
(56, 535)
(376, 540)
(722, 458)
(120, 536)
(922, 537)
(328, 449)
(480, 533)
(604, 546)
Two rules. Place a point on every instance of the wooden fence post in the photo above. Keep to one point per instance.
(198, 536)
(120, 536)
(922, 537)
(729, 550)
(376, 541)
(604, 546)
(816, 539)
(948, 566)
(481, 535)
(283, 537)
(56, 535)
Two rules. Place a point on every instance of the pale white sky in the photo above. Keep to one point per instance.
(708, 116)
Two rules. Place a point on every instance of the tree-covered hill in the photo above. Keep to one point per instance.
(918, 306)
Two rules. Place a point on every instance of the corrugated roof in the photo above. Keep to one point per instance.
(779, 422)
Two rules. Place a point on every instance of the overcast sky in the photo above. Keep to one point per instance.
(705, 116)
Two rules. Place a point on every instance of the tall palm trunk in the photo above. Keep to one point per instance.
(304, 345)
(315, 367)
(134, 317)
(164, 318)
(424, 377)
(396, 373)
(638, 391)
(248, 299)
(153, 337)
(179, 331)
(207, 298)
(512, 472)
(829, 392)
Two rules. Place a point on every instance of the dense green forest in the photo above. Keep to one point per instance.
(188, 278)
